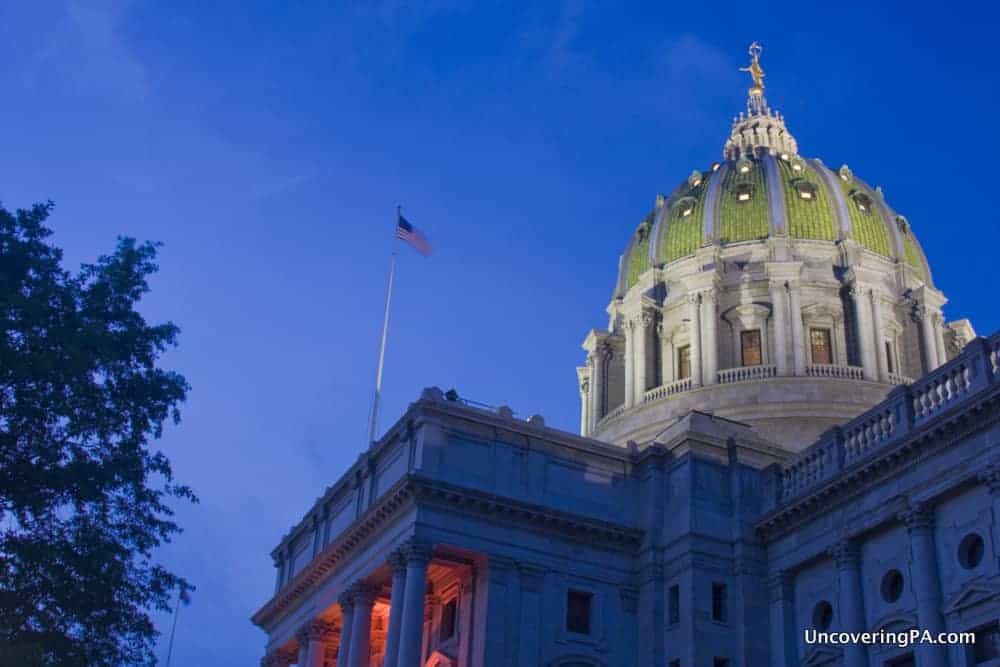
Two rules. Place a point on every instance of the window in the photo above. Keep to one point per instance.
(905, 660)
(675, 663)
(718, 601)
(862, 201)
(674, 605)
(720, 662)
(822, 615)
(987, 646)
(805, 189)
(683, 362)
(819, 341)
(449, 613)
(970, 551)
(578, 612)
(750, 354)
(892, 585)
(743, 192)
(890, 362)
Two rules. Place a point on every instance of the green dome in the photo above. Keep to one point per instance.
(755, 197)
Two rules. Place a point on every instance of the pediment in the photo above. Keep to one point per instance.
(822, 655)
(895, 623)
(971, 594)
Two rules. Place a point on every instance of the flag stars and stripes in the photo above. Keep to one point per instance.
(407, 232)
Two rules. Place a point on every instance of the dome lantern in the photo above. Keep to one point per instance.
(760, 130)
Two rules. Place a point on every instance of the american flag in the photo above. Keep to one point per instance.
(407, 232)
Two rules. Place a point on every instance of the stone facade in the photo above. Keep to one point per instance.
(469, 537)
(755, 463)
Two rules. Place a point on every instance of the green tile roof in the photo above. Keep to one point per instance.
(869, 227)
(913, 256)
(683, 233)
(807, 218)
(743, 220)
(639, 258)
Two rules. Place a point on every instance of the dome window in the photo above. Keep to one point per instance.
(715, 166)
(863, 201)
(797, 165)
(845, 174)
(743, 192)
(785, 157)
(744, 166)
(694, 180)
(685, 206)
(805, 189)
(903, 225)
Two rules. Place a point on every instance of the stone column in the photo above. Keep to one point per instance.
(780, 326)
(313, 637)
(784, 643)
(346, 601)
(666, 355)
(361, 625)
(938, 324)
(398, 562)
(694, 328)
(798, 339)
(630, 332)
(864, 330)
(919, 521)
(585, 406)
(880, 352)
(640, 346)
(598, 360)
(412, 622)
(929, 344)
(710, 325)
(850, 599)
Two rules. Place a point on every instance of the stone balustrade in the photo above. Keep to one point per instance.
(668, 389)
(744, 373)
(896, 378)
(835, 371)
(906, 409)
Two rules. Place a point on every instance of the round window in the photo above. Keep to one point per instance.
(892, 585)
(971, 550)
(822, 615)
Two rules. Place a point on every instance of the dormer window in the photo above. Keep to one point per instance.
(685, 206)
(694, 180)
(796, 166)
(862, 201)
(743, 192)
(744, 166)
(805, 189)
(686, 211)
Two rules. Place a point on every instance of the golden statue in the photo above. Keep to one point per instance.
(756, 71)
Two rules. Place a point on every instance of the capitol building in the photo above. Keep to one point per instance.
(780, 431)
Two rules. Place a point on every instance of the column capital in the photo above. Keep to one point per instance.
(280, 657)
(990, 476)
(917, 516)
(775, 284)
(845, 553)
(346, 601)
(417, 552)
(646, 318)
(919, 313)
(709, 296)
(780, 585)
(693, 298)
(363, 594)
(316, 631)
(397, 561)
(859, 291)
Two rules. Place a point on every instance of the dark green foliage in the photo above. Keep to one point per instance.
(83, 499)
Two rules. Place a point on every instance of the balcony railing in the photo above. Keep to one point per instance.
(906, 409)
(834, 371)
(896, 378)
(744, 373)
(668, 389)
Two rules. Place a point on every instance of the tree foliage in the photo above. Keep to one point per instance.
(83, 497)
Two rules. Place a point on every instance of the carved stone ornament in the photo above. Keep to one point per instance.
(845, 553)
(646, 319)
(917, 516)
(397, 561)
(990, 476)
(315, 631)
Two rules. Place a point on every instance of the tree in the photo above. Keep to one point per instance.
(83, 496)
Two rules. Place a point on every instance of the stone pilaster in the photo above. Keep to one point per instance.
(598, 382)
(532, 578)
(919, 522)
(938, 324)
(798, 340)
(780, 314)
(630, 361)
(880, 352)
(865, 331)
(710, 326)
(781, 602)
(640, 347)
(928, 342)
(847, 556)
(694, 329)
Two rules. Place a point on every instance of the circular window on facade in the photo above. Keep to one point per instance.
(971, 550)
(822, 615)
(892, 585)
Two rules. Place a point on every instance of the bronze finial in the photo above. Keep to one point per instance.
(756, 71)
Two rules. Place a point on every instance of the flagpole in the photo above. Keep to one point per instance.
(385, 334)
(173, 628)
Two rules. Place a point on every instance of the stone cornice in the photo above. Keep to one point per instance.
(414, 490)
(930, 437)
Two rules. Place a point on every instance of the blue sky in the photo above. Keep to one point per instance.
(268, 144)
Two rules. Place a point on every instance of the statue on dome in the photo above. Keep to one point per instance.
(755, 70)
